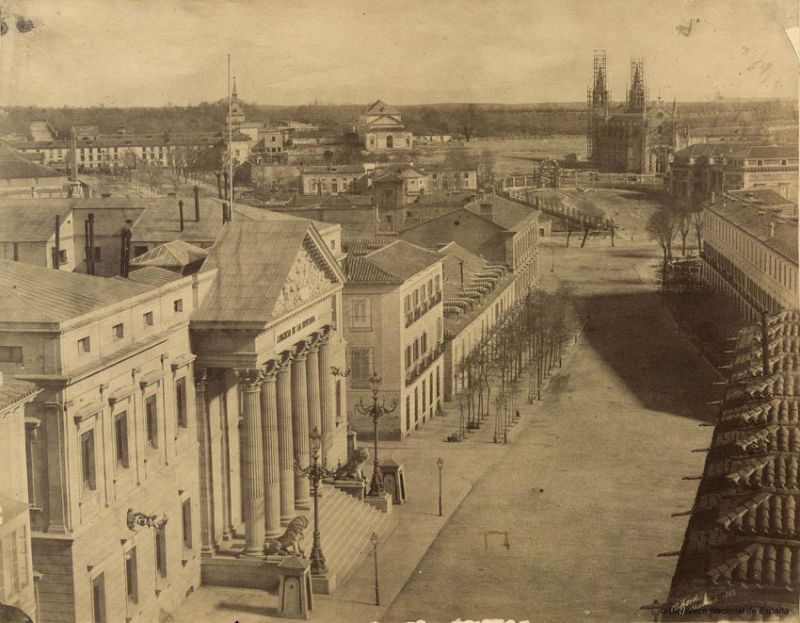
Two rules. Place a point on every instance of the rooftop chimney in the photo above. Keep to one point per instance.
(771, 231)
(487, 211)
(57, 248)
(197, 204)
(180, 211)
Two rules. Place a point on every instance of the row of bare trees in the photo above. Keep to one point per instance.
(673, 220)
(529, 342)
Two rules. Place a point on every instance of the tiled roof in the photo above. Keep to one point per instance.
(152, 275)
(331, 201)
(403, 259)
(36, 294)
(767, 151)
(13, 390)
(172, 254)
(253, 261)
(381, 107)
(444, 199)
(362, 246)
(358, 269)
(761, 196)
(332, 169)
(396, 171)
(744, 526)
(756, 221)
(162, 221)
(389, 263)
(508, 213)
(14, 165)
(705, 150)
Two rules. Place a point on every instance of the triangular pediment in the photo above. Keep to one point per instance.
(385, 120)
(309, 276)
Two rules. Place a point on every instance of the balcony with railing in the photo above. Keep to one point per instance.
(423, 308)
(423, 363)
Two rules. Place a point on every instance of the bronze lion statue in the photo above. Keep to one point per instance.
(289, 543)
(352, 469)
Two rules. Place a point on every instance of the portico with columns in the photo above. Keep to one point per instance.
(266, 337)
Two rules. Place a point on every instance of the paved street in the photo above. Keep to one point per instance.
(586, 493)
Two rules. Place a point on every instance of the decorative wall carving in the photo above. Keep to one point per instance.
(306, 280)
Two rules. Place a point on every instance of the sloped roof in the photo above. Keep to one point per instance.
(508, 213)
(756, 221)
(253, 261)
(172, 254)
(37, 294)
(152, 275)
(768, 151)
(381, 107)
(444, 199)
(14, 165)
(396, 171)
(403, 259)
(34, 223)
(162, 221)
(362, 246)
(13, 390)
(744, 526)
(390, 263)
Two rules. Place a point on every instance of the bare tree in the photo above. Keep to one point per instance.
(683, 219)
(661, 227)
(697, 221)
(591, 215)
(468, 121)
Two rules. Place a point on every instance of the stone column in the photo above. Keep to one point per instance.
(302, 497)
(326, 399)
(253, 462)
(204, 442)
(313, 385)
(285, 436)
(272, 478)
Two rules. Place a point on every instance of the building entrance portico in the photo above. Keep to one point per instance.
(278, 404)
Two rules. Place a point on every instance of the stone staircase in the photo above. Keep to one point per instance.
(346, 524)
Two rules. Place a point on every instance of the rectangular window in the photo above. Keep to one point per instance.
(361, 366)
(99, 599)
(84, 345)
(87, 461)
(407, 303)
(186, 522)
(121, 439)
(423, 347)
(131, 576)
(437, 284)
(177, 305)
(118, 331)
(416, 349)
(424, 395)
(151, 415)
(361, 315)
(180, 402)
(161, 552)
(147, 319)
(10, 354)
(62, 256)
(409, 361)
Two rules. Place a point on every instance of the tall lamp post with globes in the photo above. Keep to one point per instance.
(375, 411)
(315, 473)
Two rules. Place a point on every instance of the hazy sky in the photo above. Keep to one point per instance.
(141, 52)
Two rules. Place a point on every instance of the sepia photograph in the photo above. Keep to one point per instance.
(399, 312)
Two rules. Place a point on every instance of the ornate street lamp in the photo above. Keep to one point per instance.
(315, 473)
(374, 540)
(375, 411)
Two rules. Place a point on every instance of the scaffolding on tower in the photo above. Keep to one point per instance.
(597, 100)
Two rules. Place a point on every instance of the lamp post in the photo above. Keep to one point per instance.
(374, 540)
(315, 473)
(440, 465)
(339, 373)
(375, 411)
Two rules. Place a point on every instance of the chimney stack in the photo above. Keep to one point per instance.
(125, 249)
(713, 197)
(91, 244)
(57, 248)
(180, 211)
(771, 231)
(197, 204)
